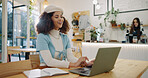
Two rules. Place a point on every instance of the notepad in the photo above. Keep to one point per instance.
(44, 72)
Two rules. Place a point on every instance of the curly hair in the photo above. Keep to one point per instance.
(45, 24)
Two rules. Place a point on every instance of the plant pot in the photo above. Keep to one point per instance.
(93, 39)
(114, 24)
(122, 27)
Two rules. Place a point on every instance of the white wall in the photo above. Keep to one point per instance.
(71, 6)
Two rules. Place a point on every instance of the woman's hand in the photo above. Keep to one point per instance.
(81, 62)
(91, 62)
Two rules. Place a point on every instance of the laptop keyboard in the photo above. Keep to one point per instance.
(84, 70)
(89, 66)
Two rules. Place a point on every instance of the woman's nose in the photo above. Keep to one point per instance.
(60, 19)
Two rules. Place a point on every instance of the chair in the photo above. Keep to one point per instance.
(9, 51)
(13, 68)
(35, 61)
(78, 53)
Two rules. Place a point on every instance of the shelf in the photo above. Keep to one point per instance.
(115, 26)
(77, 41)
(22, 37)
(79, 35)
(119, 26)
(145, 25)
(127, 26)
(75, 27)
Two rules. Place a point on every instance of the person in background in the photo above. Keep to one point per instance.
(135, 31)
(52, 41)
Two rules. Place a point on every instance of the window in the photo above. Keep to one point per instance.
(0, 31)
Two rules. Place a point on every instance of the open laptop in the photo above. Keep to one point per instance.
(104, 62)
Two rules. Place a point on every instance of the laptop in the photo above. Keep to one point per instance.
(104, 62)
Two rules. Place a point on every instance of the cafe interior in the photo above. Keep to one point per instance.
(93, 24)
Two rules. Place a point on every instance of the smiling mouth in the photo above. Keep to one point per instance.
(60, 22)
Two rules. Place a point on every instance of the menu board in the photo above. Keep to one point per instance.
(130, 5)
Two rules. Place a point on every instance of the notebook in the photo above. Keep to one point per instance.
(104, 62)
(44, 72)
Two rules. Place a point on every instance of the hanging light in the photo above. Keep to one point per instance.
(98, 6)
(33, 2)
(95, 2)
(45, 3)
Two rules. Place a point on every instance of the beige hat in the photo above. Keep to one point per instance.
(52, 8)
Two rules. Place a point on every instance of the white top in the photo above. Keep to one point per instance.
(58, 44)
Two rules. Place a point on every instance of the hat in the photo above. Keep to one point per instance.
(52, 8)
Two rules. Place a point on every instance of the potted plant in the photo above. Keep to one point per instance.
(93, 34)
(113, 23)
(122, 26)
(110, 16)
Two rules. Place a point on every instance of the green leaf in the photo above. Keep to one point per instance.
(99, 17)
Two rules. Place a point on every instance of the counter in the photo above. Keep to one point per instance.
(128, 51)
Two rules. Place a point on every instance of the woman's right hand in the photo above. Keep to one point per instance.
(81, 62)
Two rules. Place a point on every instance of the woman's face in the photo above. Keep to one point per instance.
(135, 23)
(57, 19)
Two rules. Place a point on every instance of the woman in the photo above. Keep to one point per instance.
(52, 41)
(135, 31)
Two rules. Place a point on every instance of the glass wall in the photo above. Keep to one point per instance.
(10, 24)
(9, 8)
(19, 28)
(17, 25)
(0, 30)
(33, 33)
(33, 21)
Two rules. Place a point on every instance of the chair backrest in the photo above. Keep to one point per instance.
(9, 51)
(12, 68)
(35, 61)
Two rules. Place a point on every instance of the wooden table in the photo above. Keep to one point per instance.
(124, 68)
(26, 50)
(22, 38)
